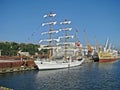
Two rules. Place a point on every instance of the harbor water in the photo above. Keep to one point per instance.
(90, 76)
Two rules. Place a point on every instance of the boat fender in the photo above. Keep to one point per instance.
(41, 62)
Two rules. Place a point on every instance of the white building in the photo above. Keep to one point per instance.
(23, 53)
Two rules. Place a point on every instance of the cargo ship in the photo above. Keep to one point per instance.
(108, 54)
(106, 57)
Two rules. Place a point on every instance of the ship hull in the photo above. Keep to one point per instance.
(57, 65)
(107, 60)
(95, 58)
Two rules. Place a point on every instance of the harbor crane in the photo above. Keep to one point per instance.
(88, 44)
(97, 45)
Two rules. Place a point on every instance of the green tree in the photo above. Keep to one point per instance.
(11, 48)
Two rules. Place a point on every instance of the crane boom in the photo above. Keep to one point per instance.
(87, 43)
(97, 44)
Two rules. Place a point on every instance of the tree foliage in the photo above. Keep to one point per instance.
(11, 48)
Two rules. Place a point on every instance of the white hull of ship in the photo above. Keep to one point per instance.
(57, 65)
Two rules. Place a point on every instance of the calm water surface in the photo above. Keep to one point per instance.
(91, 76)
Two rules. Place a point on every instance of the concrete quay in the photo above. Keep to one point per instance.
(16, 69)
(16, 65)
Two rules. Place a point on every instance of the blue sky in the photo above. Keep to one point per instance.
(20, 20)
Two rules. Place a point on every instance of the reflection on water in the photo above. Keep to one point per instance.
(91, 76)
(58, 79)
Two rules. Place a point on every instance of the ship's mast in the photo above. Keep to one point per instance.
(76, 39)
(66, 46)
(66, 29)
(50, 42)
(50, 32)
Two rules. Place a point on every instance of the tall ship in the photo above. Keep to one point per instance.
(61, 52)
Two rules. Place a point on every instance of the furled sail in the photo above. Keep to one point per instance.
(70, 36)
(65, 29)
(49, 40)
(50, 32)
(49, 23)
(49, 15)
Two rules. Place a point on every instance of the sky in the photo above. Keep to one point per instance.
(20, 20)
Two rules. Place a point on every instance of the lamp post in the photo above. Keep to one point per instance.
(0, 52)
